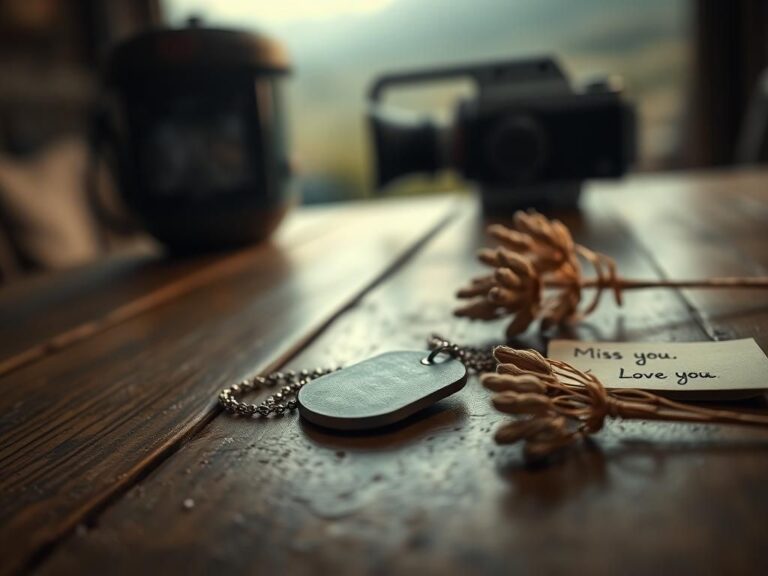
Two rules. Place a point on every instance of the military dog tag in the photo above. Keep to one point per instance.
(381, 390)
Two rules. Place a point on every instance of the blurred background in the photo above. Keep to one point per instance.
(692, 67)
(340, 45)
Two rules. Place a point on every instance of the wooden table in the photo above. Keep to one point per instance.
(114, 457)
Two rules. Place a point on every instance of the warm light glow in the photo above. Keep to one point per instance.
(283, 11)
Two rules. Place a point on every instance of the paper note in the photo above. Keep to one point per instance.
(670, 366)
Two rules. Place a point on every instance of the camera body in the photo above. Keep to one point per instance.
(527, 138)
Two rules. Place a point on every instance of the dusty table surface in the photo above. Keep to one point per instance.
(114, 457)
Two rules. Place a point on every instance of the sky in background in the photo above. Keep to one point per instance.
(339, 46)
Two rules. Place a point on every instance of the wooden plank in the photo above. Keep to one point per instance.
(80, 426)
(45, 314)
(435, 495)
(721, 232)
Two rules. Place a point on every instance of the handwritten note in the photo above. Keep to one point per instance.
(670, 366)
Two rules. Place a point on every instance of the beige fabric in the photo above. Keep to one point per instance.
(44, 206)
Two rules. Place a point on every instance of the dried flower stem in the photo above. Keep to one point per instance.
(561, 405)
(632, 284)
(537, 275)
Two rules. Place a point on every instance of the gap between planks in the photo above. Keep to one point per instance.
(177, 288)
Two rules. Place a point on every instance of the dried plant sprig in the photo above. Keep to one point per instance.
(537, 275)
(514, 288)
(557, 405)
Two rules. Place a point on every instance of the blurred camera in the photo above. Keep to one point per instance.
(526, 137)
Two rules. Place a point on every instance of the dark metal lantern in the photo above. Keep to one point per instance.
(198, 136)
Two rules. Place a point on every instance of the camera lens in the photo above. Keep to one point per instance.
(404, 146)
(516, 148)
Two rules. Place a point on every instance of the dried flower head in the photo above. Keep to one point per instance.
(556, 405)
(536, 275)
(513, 288)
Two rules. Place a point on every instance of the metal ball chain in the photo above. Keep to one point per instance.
(290, 382)
(477, 360)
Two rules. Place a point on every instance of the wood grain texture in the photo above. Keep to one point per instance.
(78, 426)
(435, 495)
(723, 231)
(45, 314)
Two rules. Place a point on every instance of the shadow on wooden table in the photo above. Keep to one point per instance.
(448, 413)
(589, 467)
